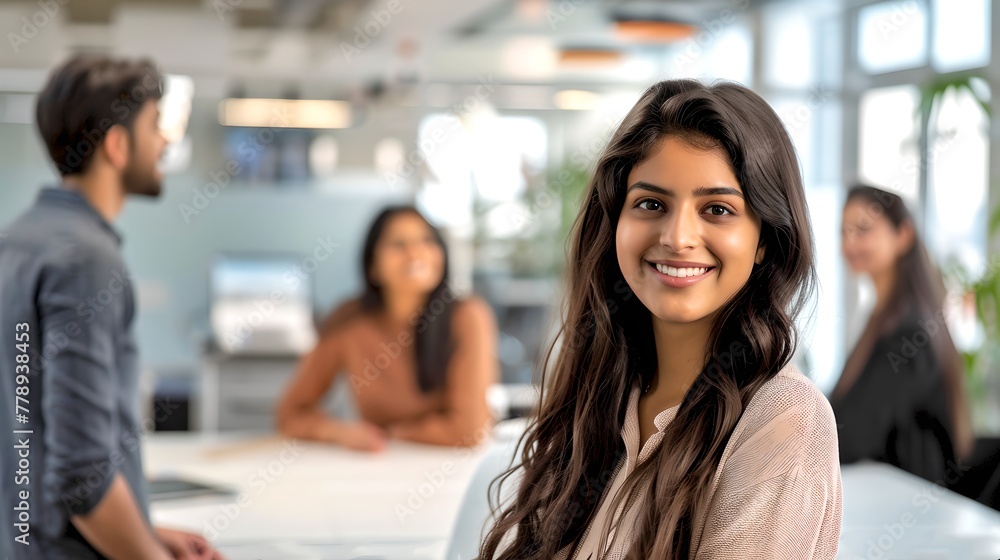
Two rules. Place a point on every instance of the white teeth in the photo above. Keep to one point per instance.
(680, 272)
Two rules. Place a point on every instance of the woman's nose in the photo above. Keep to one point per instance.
(680, 231)
(413, 251)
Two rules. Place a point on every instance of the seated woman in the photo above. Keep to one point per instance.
(419, 360)
(901, 397)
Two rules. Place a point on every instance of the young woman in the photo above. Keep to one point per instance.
(901, 397)
(672, 425)
(419, 361)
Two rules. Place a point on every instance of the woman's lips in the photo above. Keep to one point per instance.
(677, 282)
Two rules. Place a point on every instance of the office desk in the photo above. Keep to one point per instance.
(306, 500)
(309, 500)
(891, 514)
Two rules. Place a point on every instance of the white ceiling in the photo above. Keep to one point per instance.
(307, 47)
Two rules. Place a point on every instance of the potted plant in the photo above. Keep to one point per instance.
(980, 292)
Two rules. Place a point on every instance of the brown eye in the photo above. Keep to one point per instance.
(649, 204)
(718, 210)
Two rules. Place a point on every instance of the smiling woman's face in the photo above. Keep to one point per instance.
(407, 256)
(869, 241)
(686, 239)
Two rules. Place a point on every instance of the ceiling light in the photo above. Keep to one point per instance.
(576, 100)
(589, 57)
(285, 113)
(653, 31)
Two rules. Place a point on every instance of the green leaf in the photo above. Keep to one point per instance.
(994, 221)
(932, 91)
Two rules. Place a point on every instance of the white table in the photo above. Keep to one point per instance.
(306, 500)
(891, 514)
(309, 500)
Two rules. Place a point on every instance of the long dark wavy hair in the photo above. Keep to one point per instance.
(919, 292)
(574, 443)
(433, 342)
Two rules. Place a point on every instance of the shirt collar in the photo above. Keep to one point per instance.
(634, 448)
(72, 198)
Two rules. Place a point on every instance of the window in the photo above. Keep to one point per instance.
(888, 133)
(892, 36)
(957, 168)
(788, 47)
(482, 157)
(961, 34)
(443, 160)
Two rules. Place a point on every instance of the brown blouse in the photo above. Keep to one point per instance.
(381, 366)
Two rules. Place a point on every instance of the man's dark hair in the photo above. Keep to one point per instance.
(84, 98)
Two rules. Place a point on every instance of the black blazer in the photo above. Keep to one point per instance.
(897, 410)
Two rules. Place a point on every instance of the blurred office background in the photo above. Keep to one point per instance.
(294, 121)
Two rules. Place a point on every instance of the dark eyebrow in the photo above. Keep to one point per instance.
(700, 191)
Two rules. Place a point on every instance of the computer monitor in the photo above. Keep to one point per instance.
(261, 303)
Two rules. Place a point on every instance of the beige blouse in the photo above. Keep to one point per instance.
(776, 491)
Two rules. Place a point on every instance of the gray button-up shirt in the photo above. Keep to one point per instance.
(68, 375)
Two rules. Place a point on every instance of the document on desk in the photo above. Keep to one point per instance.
(172, 488)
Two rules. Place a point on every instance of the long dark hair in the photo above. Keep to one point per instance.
(919, 292)
(432, 337)
(574, 442)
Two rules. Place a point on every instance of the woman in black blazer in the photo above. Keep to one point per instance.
(901, 397)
